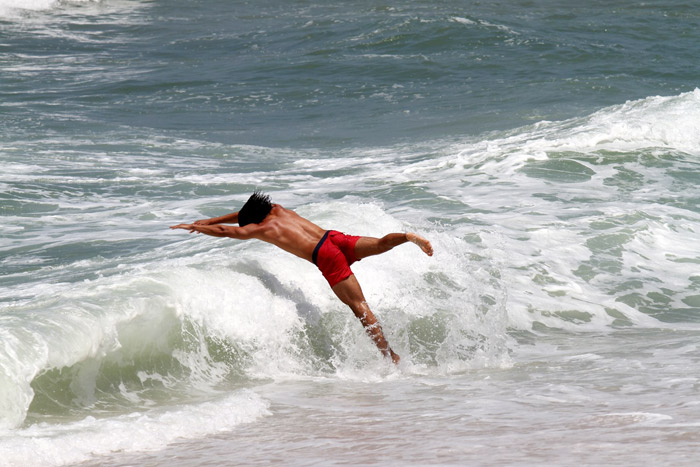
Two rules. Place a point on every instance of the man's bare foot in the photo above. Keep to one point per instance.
(394, 357)
(421, 242)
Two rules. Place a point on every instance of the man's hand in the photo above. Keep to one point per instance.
(203, 222)
(189, 227)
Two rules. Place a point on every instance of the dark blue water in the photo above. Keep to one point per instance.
(331, 74)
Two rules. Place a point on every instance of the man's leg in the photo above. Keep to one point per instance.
(370, 246)
(350, 293)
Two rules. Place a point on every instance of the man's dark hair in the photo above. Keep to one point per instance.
(255, 209)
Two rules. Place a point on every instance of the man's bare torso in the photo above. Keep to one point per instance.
(289, 231)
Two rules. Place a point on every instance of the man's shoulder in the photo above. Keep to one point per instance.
(270, 226)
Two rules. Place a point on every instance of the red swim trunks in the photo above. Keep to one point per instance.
(334, 254)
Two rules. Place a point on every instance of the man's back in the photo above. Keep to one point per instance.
(289, 231)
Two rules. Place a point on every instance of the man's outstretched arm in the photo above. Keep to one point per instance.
(231, 218)
(219, 230)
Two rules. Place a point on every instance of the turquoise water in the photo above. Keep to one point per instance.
(549, 150)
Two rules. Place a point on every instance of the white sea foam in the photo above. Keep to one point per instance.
(69, 443)
(34, 5)
(461, 20)
(12, 8)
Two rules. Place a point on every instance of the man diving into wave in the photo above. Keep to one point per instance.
(331, 251)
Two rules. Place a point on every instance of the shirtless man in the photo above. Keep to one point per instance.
(333, 252)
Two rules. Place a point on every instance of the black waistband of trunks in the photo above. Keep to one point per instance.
(314, 256)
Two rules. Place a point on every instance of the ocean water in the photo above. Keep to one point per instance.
(550, 150)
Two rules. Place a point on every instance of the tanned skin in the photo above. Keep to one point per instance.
(291, 232)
